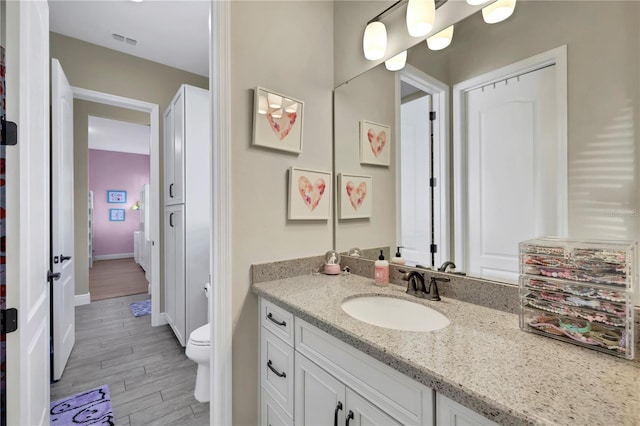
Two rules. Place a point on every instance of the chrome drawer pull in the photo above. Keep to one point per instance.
(282, 324)
(276, 372)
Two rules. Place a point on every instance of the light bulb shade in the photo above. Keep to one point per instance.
(290, 106)
(262, 105)
(421, 15)
(441, 40)
(397, 62)
(275, 101)
(374, 42)
(476, 2)
(498, 11)
(277, 113)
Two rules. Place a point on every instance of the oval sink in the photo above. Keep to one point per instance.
(396, 314)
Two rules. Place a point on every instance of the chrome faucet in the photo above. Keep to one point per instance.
(443, 267)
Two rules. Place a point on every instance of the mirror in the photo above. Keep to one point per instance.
(602, 44)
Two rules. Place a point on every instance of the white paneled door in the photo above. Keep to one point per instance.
(62, 244)
(512, 170)
(27, 217)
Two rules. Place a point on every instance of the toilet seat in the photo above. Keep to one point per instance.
(201, 336)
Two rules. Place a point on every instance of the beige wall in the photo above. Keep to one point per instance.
(89, 66)
(370, 96)
(603, 44)
(286, 47)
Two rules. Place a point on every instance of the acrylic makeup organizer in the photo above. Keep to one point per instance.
(579, 292)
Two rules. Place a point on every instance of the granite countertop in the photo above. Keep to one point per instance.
(481, 360)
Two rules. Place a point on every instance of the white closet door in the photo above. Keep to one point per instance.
(511, 170)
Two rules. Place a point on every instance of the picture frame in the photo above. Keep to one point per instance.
(375, 143)
(116, 215)
(309, 194)
(279, 128)
(116, 196)
(355, 196)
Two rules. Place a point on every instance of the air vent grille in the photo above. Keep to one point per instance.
(124, 39)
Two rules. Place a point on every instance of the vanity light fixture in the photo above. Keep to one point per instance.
(498, 11)
(440, 40)
(397, 62)
(277, 113)
(421, 15)
(374, 42)
(290, 106)
(262, 105)
(476, 2)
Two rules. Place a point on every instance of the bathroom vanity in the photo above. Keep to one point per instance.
(320, 365)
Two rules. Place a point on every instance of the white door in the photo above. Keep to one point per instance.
(320, 398)
(27, 212)
(415, 171)
(512, 170)
(62, 223)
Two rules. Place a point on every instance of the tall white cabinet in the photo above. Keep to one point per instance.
(187, 212)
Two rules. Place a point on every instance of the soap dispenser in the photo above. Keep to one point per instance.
(398, 257)
(381, 274)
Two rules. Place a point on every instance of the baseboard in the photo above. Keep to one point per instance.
(114, 256)
(83, 299)
(162, 320)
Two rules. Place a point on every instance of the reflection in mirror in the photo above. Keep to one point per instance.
(601, 197)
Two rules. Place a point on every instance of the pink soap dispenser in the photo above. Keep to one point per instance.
(381, 274)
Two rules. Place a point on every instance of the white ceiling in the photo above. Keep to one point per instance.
(113, 135)
(171, 32)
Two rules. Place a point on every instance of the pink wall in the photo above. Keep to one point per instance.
(109, 170)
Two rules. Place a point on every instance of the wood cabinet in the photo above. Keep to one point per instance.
(187, 198)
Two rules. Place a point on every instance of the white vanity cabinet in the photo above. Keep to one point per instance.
(311, 378)
(450, 413)
(187, 209)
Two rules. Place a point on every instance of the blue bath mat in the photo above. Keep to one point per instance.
(90, 407)
(140, 309)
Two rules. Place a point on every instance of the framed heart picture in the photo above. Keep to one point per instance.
(277, 121)
(355, 196)
(309, 194)
(375, 143)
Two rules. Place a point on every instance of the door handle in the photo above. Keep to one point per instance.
(350, 416)
(171, 190)
(282, 324)
(63, 258)
(276, 372)
(335, 414)
(171, 220)
(55, 276)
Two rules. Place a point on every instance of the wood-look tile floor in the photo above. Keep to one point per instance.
(150, 379)
(115, 278)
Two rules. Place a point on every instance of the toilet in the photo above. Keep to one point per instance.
(199, 351)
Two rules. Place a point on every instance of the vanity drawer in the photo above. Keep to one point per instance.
(276, 320)
(272, 413)
(394, 393)
(276, 366)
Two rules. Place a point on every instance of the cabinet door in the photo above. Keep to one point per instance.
(179, 148)
(174, 270)
(361, 412)
(271, 413)
(169, 156)
(320, 398)
(450, 413)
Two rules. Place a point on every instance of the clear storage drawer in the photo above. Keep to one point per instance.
(580, 292)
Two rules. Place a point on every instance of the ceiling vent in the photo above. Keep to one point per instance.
(124, 39)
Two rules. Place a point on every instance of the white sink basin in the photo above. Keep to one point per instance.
(396, 314)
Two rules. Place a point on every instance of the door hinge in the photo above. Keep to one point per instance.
(433, 182)
(9, 133)
(434, 248)
(9, 320)
(432, 115)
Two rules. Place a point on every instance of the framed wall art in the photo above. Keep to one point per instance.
(277, 121)
(355, 196)
(375, 143)
(116, 196)
(116, 215)
(309, 194)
